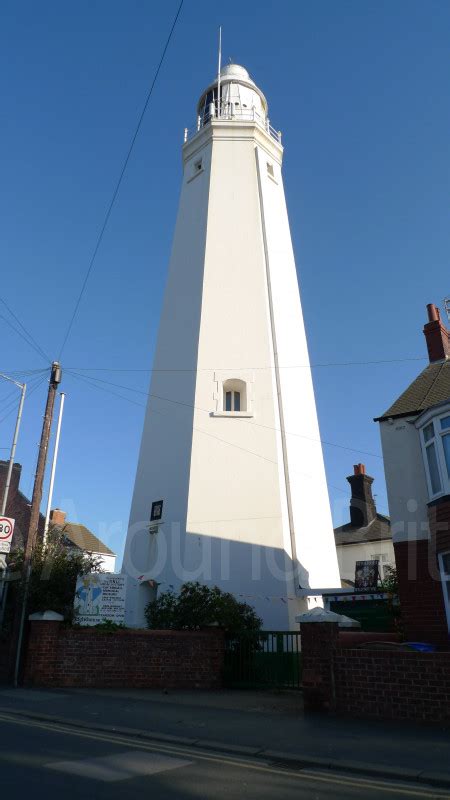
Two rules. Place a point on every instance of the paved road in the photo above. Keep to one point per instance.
(50, 761)
(257, 720)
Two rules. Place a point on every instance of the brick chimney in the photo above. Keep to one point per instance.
(15, 479)
(362, 505)
(58, 517)
(437, 336)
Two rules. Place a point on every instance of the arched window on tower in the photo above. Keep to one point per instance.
(234, 395)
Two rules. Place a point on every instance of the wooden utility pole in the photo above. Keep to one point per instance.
(19, 617)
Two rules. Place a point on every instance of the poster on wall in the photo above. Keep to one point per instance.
(99, 597)
(366, 575)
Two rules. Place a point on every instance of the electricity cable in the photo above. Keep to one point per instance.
(118, 183)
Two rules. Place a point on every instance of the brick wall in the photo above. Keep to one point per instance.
(319, 641)
(392, 685)
(439, 519)
(83, 657)
(388, 684)
(420, 591)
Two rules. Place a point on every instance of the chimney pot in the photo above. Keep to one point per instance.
(359, 469)
(437, 336)
(433, 313)
(58, 517)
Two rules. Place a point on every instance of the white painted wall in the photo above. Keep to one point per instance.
(107, 562)
(349, 554)
(221, 476)
(405, 479)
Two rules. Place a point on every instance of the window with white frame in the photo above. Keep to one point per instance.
(436, 448)
(445, 434)
(234, 396)
(383, 561)
(444, 566)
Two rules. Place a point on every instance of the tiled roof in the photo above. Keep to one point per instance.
(377, 531)
(431, 387)
(83, 538)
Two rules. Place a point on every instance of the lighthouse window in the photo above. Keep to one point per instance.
(234, 396)
(270, 170)
(232, 401)
(196, 168)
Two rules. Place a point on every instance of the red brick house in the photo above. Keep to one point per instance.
(77, 536)
(18, 506)
(415, 436)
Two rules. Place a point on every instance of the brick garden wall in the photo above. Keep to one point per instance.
(370, 682)
(84, 657)
(392, 685)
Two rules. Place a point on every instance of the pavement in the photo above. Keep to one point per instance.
(258, 725)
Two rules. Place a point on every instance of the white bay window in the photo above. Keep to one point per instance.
(435, 440)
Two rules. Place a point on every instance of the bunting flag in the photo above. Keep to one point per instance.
(269, 598)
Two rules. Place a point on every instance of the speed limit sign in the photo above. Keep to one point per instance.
(6, 533)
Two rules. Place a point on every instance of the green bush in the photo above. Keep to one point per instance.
(390, 582)
(54, 573)
(198, 606)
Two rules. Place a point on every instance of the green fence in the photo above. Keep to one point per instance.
(374, 615)
(265, 659)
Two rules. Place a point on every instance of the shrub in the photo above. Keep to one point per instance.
(54, 573)
(198, 606)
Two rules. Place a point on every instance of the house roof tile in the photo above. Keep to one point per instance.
(431, 387)
(377, 531)
(81, 537)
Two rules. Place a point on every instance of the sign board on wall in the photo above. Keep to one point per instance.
(366, 575)
(99, 597)
(6, 533)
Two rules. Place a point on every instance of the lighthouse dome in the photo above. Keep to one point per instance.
(240, 98)
(235, 71)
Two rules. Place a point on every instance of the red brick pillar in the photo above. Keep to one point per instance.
(42, 653)
(319, 642)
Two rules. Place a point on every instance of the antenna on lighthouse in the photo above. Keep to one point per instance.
(218, 71)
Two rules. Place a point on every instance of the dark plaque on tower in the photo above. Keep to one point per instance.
(156, 513)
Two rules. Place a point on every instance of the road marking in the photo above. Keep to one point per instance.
(120, 766)
(199, 755)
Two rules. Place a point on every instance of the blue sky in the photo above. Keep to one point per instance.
(360, 91)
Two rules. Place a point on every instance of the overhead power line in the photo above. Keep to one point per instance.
(206, 433)
(118, 184)
(287, 366)
(24, 334)
(94, 382)
(35, 384)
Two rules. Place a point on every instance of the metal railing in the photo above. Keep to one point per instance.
(263, 659)
(230, 112)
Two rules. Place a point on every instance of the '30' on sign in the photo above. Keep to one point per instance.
(6, 533)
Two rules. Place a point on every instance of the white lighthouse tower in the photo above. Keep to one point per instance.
(231, 444)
